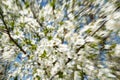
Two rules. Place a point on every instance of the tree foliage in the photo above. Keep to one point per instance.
(60, 39)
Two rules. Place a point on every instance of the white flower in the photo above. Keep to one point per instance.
(76, 8)
(69, 25)
(71, 16)
(107, 46)
(87, 27)
(90, 39)
(76, 76)
(23, 12)
(117, 50)
(111, 75)
(8, 53)
(50, 27)
(90, 67)
(24, 55)
(55, 69)
(59, 15)
(103, 33)
(63, 48)
(47, 10)
(108, 8)
(68, 36)
(56, 41)
(115, 15)
(80, 42)
(119, 33)
(8, 3)
(113, 25)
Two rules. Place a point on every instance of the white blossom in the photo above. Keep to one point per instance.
(60, 39)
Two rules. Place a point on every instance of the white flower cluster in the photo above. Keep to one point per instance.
(60, 40)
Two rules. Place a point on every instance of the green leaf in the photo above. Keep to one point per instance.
(46, 31)
(94, 45)
(28, 41)
(16, 78)
(22, 25)
(34, 70)
(98, 37)
(91, 0)
(88, 31)
(110, 53)
(117, 4)
(79, 3)
(42, 18)
(61, 23)
(1, 11)
(50, 37)
(92, 56)
(33, 47)
(82, 74)
(17, 33)
(0, 34)
(12, 23)
(2, 27)
(60, 74)
(26, 4)
(38, 78)
(53, 3)
(31, 57)
(112, 46)
(44, 54)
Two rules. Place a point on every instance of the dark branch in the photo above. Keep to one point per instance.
(35, 16)
(8, 32)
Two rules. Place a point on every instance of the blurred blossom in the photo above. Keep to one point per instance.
(63, 39)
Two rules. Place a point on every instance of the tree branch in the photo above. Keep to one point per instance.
(35, 16)
(11, 38)
(8, 32)
(91, 35)
(69, 59)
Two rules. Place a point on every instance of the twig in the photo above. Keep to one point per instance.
(8, 32)
(35, 16)
(69, 59)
